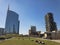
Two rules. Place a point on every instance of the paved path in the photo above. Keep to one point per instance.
(58, 41)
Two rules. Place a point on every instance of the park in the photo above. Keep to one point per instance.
(26, 41)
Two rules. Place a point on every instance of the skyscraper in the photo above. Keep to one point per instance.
(50, 23)
(12, 22)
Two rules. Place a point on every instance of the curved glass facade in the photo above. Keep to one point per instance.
(12, 23)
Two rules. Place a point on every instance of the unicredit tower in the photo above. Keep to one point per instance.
(12, 22)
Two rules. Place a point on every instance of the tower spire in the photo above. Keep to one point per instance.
(8, 7)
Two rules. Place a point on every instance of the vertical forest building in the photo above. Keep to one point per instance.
(50, 23)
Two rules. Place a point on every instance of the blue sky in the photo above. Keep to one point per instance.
(31, 12)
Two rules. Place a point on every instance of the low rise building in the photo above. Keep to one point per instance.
(1, 31)
(33, 32)
(52, 35)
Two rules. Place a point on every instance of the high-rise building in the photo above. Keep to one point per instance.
(50, 23)
(12, 22)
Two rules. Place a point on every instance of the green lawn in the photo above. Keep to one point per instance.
(25, 41)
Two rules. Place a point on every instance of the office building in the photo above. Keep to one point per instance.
(12, 22)
(33, 29)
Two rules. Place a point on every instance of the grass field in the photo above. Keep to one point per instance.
(25, 41)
